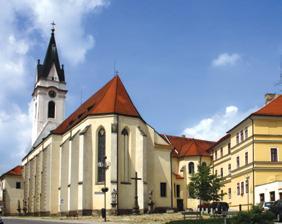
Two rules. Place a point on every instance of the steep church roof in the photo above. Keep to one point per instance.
(112, 98)
(51, 58)
(189, 146)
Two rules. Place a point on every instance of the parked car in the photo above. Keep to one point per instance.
(1, 221)
(276, 209)
(219, 206)
(266, 205)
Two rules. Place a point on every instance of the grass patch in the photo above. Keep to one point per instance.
(200, 221)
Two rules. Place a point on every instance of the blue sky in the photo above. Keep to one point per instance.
(193, 67)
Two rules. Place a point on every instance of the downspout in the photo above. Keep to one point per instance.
(171, 190)
(253, 160)
(117, 164)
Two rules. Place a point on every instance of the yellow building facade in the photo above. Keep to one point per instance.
(249, 157)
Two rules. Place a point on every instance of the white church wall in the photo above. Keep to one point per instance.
(55, 167)
(74, 172)
(87, 171)
(64, 176)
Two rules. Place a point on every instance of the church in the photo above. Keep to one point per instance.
(104, 155)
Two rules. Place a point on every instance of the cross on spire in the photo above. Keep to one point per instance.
(53, 24)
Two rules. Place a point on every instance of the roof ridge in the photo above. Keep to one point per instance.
(267, 105)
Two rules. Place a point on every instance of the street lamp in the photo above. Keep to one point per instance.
(104, 165)
(247, 189)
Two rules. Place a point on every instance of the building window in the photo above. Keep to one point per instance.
(242, 188)
(51, 109)
(191, 168)
(229, 148)
(215, 154)
(35, 110)
(272, 195)
(238, 188)
(204, 164)
(238, 161)
(246, 158)
(261, 197)
(221, 172)
(274, 157)
(246, 133)
(178, 191)
(101, 154)
(237, 138)
(242, 135)
(221, 152)
(125, 139)
(247, 186)
(221, 195)
(216, 172)
(229, 168)
(18, 185)
(229, 193)
(163, 189)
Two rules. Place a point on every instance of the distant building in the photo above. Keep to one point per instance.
(11, 191)
(249, 157)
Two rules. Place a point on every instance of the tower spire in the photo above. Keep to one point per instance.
(53, 24)
(51, 59)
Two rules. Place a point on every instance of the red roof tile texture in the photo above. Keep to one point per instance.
(112, 98)
(178, 176)
(274, 108)
(189, 146)
(16, 171)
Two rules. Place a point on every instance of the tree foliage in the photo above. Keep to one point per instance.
(204, 185)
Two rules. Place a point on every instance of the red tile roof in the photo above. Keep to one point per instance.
(16, 171)
(178, 176)
(274, 108)
(189, 146)
(112, 98)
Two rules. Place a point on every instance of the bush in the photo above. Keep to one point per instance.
(254, 216)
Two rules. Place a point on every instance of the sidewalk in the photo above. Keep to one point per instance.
(145, 219)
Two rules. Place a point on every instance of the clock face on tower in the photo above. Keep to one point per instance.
(52, 93)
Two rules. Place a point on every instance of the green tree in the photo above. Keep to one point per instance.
(204, 185)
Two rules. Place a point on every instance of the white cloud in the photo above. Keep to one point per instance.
(215, 126)
(69, 16)
(19, 22)
(226, 59)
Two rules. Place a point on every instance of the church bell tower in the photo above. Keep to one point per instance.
(48, 97)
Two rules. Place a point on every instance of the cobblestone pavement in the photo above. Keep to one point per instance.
(145, 219)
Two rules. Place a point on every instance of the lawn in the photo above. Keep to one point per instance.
(199, 221)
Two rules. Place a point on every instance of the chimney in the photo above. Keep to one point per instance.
(269, 97)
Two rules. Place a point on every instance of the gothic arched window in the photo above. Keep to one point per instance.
(204, 163)
(51, 109)
(101, 154)
(191, 168)
(125, 153)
